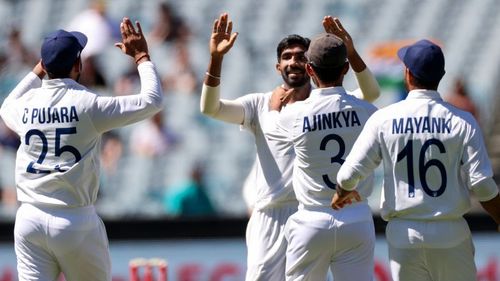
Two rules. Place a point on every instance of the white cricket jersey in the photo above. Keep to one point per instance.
(60, 126)
(322, 129)
(427, 146)
(273, 175)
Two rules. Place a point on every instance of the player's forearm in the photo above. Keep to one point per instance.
(30, 81)
(114, 112)
(348, 178)
(356, 61)
(363, 159)
(486, 191)
(368, 85)
(213, 74)
(493, 208)
(150, 85)
(210, 100)
(224, 110)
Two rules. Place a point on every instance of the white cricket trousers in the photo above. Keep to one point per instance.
(266, 243)
(51, 240)
(322, 239)
(430, 250)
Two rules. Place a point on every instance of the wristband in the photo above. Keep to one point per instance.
(141, 57)
(211, 75)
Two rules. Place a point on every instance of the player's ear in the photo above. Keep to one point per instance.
(309, 69)
(346, 68)
(408, 76)
(278, 67)
(78, 65)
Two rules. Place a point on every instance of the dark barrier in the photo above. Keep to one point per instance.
(143, 229)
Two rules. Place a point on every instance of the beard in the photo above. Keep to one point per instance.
(295, 82)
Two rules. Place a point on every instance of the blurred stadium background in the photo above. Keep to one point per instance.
(152, 168)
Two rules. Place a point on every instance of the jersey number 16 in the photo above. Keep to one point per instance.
(423, 167)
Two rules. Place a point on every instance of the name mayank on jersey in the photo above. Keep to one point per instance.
(417, 125)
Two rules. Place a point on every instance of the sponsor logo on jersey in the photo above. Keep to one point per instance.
(417, 125)
(46, 115)
(331, 120)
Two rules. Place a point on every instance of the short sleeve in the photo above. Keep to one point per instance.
(476, 163)
(250, 104)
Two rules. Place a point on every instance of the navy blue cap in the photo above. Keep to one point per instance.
(60, 50)
(424, 59)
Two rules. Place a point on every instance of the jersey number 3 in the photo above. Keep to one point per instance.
(423, 167)
(45, 147)
(337, 158)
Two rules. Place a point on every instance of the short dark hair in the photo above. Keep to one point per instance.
(290, 40)
(422, 84)
(328, 75)
(61, 73)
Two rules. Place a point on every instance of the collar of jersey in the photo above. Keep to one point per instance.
(59, 82)
(424, 94)
(328, 91)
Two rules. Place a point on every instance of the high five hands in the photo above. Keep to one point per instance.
(133, 41)
(333, 26)
(222, 39)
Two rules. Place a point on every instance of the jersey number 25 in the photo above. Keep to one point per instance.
(45, 147)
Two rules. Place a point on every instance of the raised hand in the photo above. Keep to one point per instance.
(333, 26)
(133, 41)
(222, 39)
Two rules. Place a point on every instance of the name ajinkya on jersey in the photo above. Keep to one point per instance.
(416, 125)
(331, 120)
(50, 115)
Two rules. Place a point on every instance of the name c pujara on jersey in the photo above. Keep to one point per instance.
(45, 115)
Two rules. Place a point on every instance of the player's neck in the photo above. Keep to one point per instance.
(336, 83)
(411, 88)
(300, 93)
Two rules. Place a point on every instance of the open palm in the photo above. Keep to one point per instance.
(222, 39)
(333, 26)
